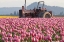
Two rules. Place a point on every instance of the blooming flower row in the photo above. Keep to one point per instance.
(32, 29)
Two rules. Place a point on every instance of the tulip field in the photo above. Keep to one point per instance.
(31, 29)
(9, 16)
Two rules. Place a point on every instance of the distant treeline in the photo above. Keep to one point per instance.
(11, 14)
(58, 15)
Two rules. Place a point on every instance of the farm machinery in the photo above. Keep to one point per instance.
(36, 12)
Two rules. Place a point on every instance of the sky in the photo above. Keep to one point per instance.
(20, 3)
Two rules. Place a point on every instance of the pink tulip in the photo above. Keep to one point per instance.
(57, 37)
(17, 29)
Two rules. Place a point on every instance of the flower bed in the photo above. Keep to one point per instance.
(32, 30)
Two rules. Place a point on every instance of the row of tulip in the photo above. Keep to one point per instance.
(32, 30)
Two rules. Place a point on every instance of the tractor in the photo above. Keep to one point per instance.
(39, 12)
